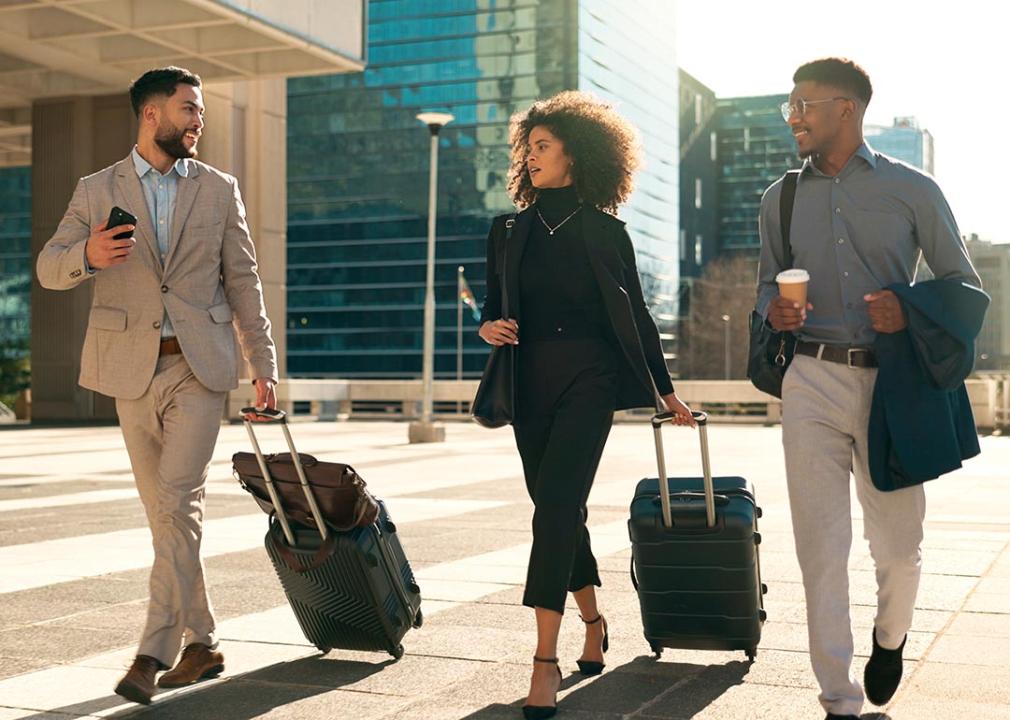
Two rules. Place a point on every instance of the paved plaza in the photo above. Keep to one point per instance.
(75, 552)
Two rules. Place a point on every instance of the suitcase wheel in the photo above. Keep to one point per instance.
(323, 649)
(418, 619)
(764, 589)
(415, 588)
(757, 538)
(397, 653)
(656, 650)
(389, 527)
(759, 513)
(751, 654)
(762, 615)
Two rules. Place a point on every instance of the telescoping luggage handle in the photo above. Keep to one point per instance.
(664, 488)
(281, 417)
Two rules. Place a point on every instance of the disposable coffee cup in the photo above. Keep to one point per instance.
(793, 285)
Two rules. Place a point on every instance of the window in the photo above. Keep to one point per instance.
(714, 146)
(698, 108)
(683, 244)
(746, 139)
(697, 193)
(697, 249)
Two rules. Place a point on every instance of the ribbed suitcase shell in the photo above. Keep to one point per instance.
(699, 587)
(363, 597)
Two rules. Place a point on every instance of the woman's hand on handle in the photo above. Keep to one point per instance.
(500, 332)
(681, 412)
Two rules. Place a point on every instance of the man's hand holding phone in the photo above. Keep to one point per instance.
(108, 246)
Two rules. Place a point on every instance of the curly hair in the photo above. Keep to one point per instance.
(603, 145)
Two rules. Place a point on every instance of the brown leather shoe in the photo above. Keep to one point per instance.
(198, 662)
(138, 683)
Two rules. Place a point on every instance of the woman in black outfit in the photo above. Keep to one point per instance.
(589, 347)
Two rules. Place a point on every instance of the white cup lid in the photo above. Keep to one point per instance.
(794, 275)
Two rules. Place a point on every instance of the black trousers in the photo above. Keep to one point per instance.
(567, 394)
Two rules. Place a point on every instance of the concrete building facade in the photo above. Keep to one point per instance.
(992, 261)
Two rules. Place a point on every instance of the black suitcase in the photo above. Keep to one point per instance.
(695, 558)
(352, 590)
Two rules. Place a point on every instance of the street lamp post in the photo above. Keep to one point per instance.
(425, 429)
(725, 322)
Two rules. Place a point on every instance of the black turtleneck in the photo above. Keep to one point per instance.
(557, 287)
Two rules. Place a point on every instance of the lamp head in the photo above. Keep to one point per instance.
(435, 120)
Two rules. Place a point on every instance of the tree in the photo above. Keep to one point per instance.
(727, 288)
(15, 369)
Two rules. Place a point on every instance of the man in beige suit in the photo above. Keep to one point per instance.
(161, 341)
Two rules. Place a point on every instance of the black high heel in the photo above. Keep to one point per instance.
(591, 667)
(542, 712)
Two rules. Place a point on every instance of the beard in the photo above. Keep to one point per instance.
(169, 138)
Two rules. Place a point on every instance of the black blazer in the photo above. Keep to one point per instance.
(642, 370)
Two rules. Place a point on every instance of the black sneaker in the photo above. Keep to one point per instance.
(883, 672)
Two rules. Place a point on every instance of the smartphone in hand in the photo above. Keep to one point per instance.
(118, 217)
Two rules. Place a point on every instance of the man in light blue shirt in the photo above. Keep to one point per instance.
(860, 222)
(172, 312)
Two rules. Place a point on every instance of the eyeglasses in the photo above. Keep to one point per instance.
(800, 107)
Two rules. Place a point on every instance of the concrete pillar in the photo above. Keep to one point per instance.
(246, 135)
(73, 137)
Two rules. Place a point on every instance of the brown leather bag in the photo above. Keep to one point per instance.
(343, 498)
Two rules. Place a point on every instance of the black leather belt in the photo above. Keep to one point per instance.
(854, 357)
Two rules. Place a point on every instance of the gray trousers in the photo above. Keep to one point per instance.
(825, 414)
(170, 433)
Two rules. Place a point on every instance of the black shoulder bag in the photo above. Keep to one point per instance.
(771, 351)
(494, 405)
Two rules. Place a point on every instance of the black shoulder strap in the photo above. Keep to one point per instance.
(504, 264)
(786, 201)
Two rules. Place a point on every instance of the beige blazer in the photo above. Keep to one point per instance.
(207, 282)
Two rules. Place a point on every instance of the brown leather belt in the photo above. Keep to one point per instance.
(169, 346)
(854, 357)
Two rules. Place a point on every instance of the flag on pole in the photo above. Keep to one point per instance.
(466, 296)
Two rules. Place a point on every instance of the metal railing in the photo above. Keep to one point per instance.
(723, 400)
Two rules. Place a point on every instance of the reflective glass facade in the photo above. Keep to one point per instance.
(699, 153)
(15, 256)
(903, 141)
(628, 59)
(755, 148)
(358, 165)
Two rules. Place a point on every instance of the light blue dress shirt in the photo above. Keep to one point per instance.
(857, 233)
(160, 192)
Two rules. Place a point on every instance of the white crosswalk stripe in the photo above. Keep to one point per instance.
(52, 561)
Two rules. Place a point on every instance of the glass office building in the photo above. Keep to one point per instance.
(15, 255)
(358, 166)
(699, 157)
(905, 141)
(755, 148)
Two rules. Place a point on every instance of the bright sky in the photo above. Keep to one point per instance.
(946, 63)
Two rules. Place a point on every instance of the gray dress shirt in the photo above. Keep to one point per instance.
(857, 233)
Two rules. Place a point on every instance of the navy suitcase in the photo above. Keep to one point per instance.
(353, 590)
(695, 560)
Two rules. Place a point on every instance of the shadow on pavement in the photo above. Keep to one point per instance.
(241, 696)
(670, 690)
